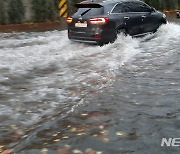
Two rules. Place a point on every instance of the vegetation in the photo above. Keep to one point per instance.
(71, 4)
(16, 11)
(43, 10)
(2, 13)
(47, 10)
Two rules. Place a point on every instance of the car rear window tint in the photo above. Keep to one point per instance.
(89, 11)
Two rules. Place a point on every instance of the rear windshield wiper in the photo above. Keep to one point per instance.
(85, 12)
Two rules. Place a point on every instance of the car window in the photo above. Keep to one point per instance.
(118, 9)
(121, 8)
(146, 8)
(127, 8)
(139, 7)
(131, 7)
(89, 11)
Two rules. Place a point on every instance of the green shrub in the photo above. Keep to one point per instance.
(39, 10)
(51, 10)
(16, 11)
(44, 10)
(2, 13)
(56, 4)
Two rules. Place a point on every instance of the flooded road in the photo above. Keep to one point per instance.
(57, 96)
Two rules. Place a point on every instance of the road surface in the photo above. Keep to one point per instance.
(58, 96)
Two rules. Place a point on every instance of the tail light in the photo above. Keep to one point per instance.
(69, 19)
(100, 20)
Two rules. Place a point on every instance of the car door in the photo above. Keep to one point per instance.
(132, 18)
(148, 16)
(115, 14)
(123, 14)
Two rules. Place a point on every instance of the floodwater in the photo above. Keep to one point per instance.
(62, 97)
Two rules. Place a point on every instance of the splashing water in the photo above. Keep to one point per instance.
(45, 74)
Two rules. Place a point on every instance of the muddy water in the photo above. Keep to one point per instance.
(57, 96)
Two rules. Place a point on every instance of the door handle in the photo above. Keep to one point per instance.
(126, 18)
(143, 16)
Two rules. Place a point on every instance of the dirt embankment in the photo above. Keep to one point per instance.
(26, 27)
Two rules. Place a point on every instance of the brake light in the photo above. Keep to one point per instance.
(69, 19)
(100, 20)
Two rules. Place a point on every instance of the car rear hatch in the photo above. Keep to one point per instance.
(81, 24)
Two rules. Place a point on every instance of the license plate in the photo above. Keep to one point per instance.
(78, 24)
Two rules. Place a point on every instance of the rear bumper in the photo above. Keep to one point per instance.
(95, 36)
(85, 39)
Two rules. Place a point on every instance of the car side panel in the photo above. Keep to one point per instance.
(151, 21)
(134, 23)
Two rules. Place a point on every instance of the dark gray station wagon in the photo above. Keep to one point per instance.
(100, 21)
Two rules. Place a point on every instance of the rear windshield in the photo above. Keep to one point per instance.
(89, 11)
